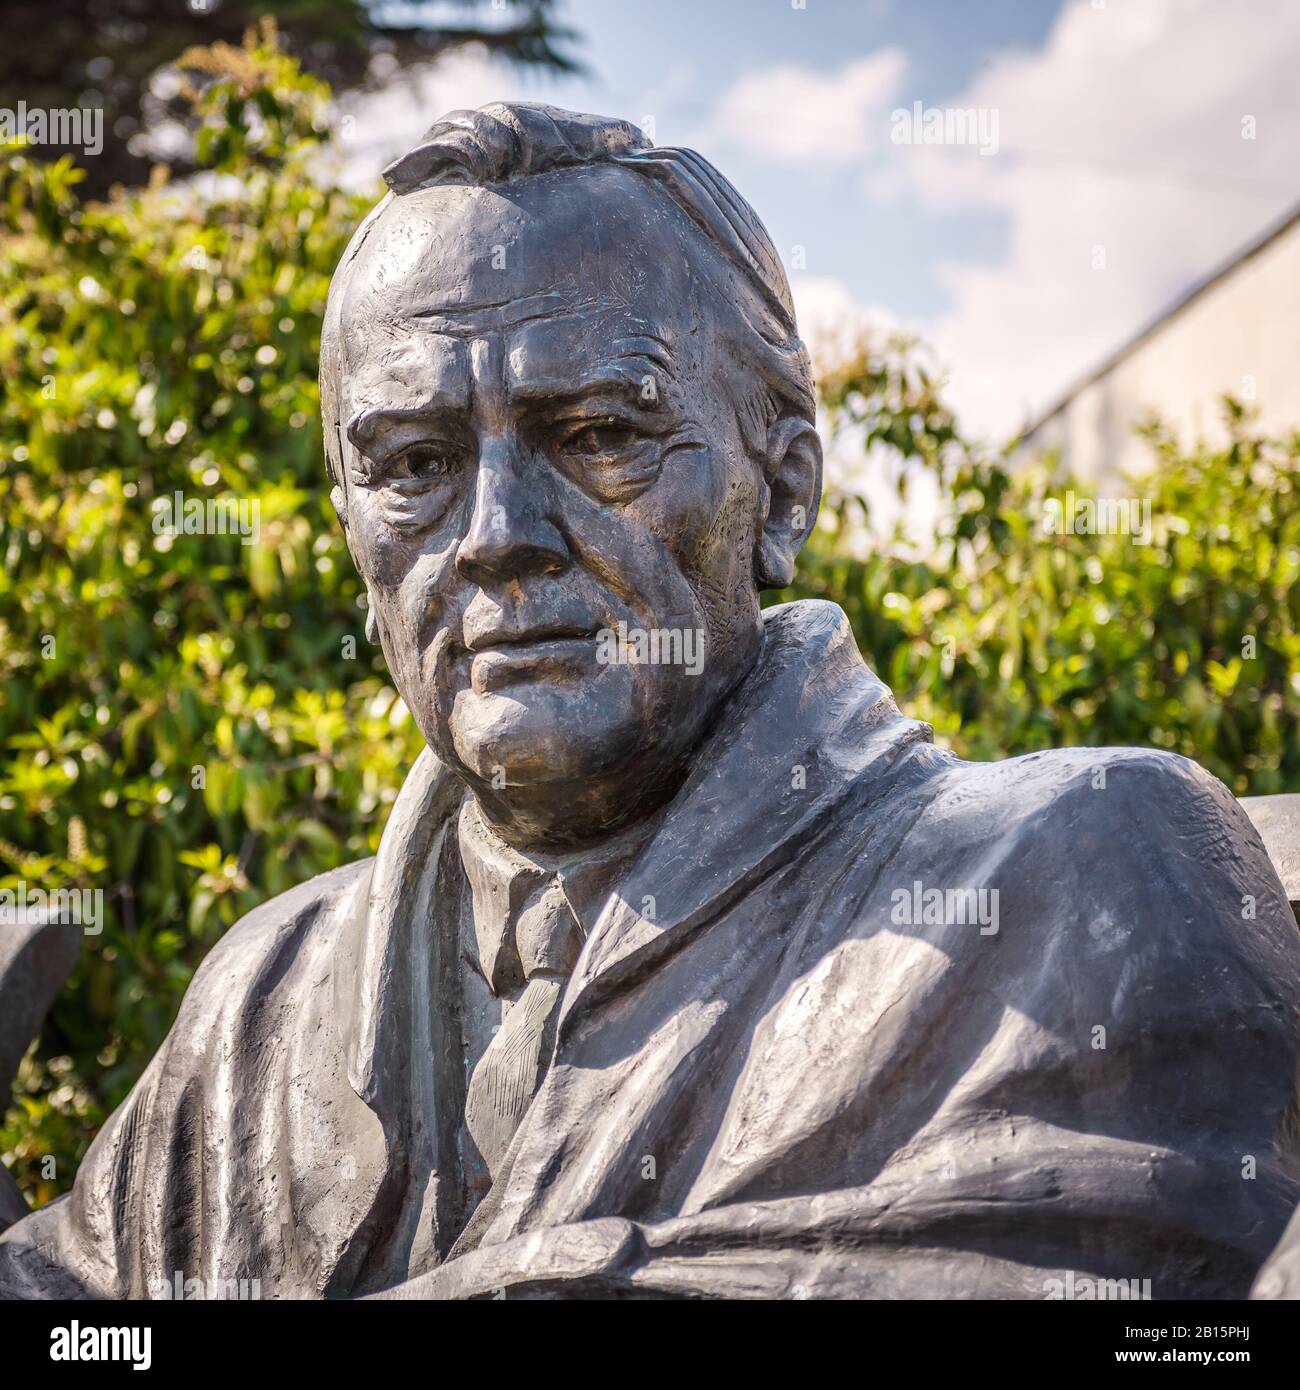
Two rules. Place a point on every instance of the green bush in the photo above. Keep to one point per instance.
(1011, 636)
(192, 724)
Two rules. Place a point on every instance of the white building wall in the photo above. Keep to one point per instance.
(1240, 335)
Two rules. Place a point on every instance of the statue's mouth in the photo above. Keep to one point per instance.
(499, 638)
(501, 657)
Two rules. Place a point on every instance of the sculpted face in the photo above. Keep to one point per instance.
(543, 446)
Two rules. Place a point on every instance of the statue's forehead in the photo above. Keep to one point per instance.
(573, 271)
(564, 241)
(540, 351)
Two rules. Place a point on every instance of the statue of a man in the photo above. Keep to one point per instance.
(687, 965)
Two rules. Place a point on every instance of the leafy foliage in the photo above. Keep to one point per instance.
(1015, 634)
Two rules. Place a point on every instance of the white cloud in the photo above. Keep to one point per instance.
(1124, 133)
(795, 113)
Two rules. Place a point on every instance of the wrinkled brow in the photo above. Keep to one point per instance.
(635, 359)
(618, 378)
(370, 421)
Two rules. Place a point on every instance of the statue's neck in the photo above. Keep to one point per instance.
(560, 819)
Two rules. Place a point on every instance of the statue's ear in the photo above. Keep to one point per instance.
(340, 505)
(793, 474)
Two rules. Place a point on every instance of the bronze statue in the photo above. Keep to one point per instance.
(687, 965)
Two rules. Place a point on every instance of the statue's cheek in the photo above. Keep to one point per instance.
(692, 507)
(391, 534)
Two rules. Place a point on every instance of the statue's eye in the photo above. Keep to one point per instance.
(426, 462)
(600, 437)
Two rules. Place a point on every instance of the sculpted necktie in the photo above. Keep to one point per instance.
(548, 939)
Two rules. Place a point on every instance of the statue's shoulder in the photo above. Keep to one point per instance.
(1141, 838)
(1119, 824)
(1134, 870)
(1090, 800)
(306, 918)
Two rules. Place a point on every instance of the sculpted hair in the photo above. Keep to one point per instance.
(506, 141)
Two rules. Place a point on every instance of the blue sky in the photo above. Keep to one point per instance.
(671, 59)
(1139, 143)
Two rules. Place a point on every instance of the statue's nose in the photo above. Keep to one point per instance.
(510, 534)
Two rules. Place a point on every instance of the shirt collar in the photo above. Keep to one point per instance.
(504, 879)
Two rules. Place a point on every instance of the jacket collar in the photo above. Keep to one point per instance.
(803, 727)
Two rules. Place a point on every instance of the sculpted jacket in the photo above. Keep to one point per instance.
(772, 1076)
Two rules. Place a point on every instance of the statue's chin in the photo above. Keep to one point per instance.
(534, 734)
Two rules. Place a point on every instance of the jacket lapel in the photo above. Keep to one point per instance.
(392, 979)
